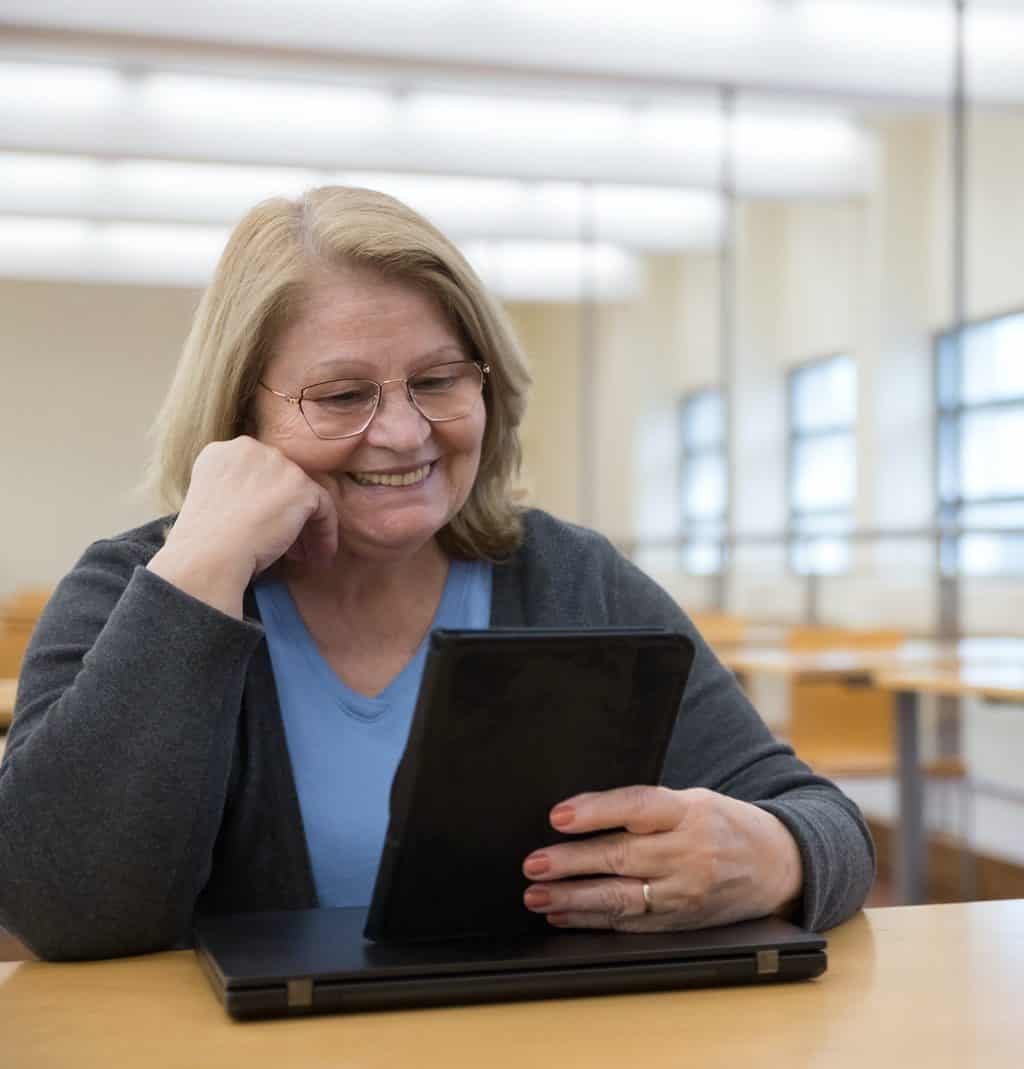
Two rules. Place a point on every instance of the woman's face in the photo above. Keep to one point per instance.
(358, 325)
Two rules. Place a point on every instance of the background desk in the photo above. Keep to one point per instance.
(930, 985)
(988, 681)
(980, 667)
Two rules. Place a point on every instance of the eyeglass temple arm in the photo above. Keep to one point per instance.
(277, 393)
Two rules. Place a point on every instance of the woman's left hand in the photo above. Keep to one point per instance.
(706, 858)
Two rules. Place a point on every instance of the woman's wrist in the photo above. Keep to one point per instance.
(783, 868)
(218, 583)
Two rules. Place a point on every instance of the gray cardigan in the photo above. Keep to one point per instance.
(147, 775)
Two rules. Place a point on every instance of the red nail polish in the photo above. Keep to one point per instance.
(562, 815)
(536, 864)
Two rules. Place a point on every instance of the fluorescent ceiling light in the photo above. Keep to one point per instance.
(199, 245)
(221, 192)
(40, 236)
(525, 118)
(265, 103)
(911, 27)
(30, 173)
(541, 139)
(58, 87)
(767, 137)
(465, 208)
(172, 255)
(555, 271)
(632, 216)
(179, 255)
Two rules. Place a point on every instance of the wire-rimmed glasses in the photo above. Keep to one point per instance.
(343, 408)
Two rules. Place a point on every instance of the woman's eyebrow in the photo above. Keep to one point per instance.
(354, 367)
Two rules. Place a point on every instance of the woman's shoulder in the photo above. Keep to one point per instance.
(115, 558)
(136, 545)
(547, 535)
(563, 570)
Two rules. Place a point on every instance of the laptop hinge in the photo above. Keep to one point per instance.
(767, 962)
(300, 993)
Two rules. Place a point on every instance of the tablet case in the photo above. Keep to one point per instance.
(507, 724)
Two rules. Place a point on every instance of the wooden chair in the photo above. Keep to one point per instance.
(12, 651)
(21, 610)
(720, 628)
(848, 730)
(18, 616)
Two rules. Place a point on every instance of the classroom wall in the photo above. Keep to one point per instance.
(82, 371)
(811, 278)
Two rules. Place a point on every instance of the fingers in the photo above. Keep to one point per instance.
(616, 898)
(644, 849)
(614, 854)
(318, 539)
(615, 904)
(642, 810)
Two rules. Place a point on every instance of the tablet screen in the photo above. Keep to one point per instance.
(507, 724)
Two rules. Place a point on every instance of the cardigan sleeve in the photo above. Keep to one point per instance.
(116, 769)
(720, 742)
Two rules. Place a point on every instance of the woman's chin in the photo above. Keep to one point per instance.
(402, 537)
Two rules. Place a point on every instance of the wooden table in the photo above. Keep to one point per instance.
(990, 682)
(931, 985)
(860, 665)
(8, 688)
(984, 667)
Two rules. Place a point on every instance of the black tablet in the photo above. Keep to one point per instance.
(508, 723)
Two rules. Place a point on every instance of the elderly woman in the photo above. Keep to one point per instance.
(213, 705)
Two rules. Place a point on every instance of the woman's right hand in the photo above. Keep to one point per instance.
(247, 505)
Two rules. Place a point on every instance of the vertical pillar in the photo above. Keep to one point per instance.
(727, 333)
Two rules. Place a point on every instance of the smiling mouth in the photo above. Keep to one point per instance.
(403, 478)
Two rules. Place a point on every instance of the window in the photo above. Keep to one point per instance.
(822, 464)
(703, 465)
(656, 507)
(980, 386)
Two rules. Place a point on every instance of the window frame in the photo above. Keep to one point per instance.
(796, 437)
(948, 449)
(689, 521)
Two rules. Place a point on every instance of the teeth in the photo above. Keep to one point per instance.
(365, 478)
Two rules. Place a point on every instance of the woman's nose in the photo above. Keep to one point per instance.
(397, 423)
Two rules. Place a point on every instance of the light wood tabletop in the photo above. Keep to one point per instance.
(929, 985)
(861, 665)
(992, 682)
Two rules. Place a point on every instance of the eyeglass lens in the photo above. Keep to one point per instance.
(346, 406)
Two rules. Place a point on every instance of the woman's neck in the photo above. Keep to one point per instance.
(380, 594)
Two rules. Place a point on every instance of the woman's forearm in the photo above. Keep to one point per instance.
(116, 769)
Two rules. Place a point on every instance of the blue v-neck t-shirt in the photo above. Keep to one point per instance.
(345, 746)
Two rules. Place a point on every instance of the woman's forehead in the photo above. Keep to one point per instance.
(357, 317)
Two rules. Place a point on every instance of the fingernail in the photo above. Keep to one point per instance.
(537, 897)
(562, 815)
(559, 920)
(536, 864)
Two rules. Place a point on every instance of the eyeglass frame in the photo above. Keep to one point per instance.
(297, 399)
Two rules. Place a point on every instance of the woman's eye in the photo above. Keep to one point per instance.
(353, 395)
(433, 383)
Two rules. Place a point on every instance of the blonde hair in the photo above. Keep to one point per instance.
(258, 288)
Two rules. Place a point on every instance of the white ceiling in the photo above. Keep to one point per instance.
(899, 49)
(127, 126)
